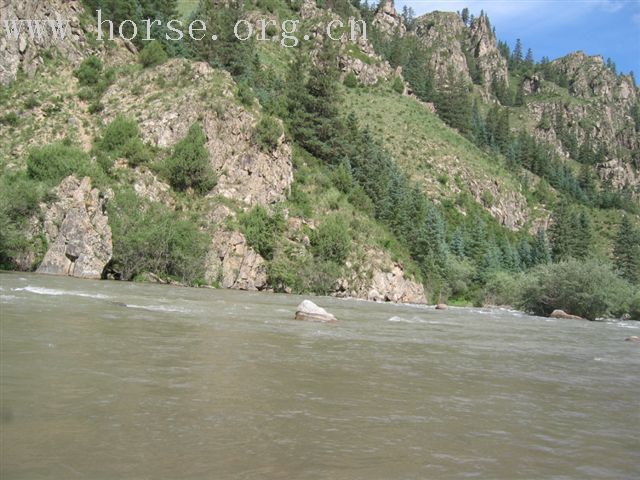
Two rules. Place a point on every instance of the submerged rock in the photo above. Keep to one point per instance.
(563, 314)
(81, 245)
(633, 338)
(311, 312)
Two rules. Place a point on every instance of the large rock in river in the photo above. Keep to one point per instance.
(309, 311)
(77, 231)
(563, 314)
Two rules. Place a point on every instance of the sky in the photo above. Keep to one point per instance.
(553, 28)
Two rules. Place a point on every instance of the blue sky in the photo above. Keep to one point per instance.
(610, 28)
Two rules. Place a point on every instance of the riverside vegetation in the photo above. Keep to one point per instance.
(430, 163)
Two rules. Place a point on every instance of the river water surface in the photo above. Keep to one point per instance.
(108, 380)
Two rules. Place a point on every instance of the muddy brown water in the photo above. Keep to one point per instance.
(108, 380)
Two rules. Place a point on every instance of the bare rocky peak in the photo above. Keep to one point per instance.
(442, 33)
(483, 46)
(388, 20)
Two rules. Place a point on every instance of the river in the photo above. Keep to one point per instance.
(111, 380)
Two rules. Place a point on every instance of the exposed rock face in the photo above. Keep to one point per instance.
(378, 279)
(441, 33)
(598, 110)
(204, 95)
(490, 62)
(563, 314)
(310, 312)
(26, 52)
(387, 19)
(77, 231)
(234, 264)
(620, 175)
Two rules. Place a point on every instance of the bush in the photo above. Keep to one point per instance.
(54, 162)
(350, 80)
(331, 241)
(153, 54)
(89, 71)
(245, 94)
(11, 119)
(189, 166)
(589, 289)
(149, 237)
(634, 306)
(262, 229)
(268, 132)
(398, 85)
(115, 135)
(502, 288)
(19, 199)
(302, 274)
(121, 139)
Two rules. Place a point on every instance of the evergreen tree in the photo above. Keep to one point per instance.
(583, 237)
(465, 16)
(626, 251)
(516, 56)
(563, 232)
(529, 60)
(540, 251)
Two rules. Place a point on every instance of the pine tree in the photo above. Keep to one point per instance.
(540, 251)
(529, 60)
(562, 232)
(583, 237)
(626, 251)
(465, 16)
(516, 56)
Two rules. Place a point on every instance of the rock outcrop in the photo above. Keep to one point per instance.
(441, 33)
(378, 279)
(310, 312)
(195, 92)
(26, 51)
(387, 20)
(76, 227)
(491, 65)
(232, 263)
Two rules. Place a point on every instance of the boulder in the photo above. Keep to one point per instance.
(81, 245)
(563, 314)
(311, 312)
(442, 306)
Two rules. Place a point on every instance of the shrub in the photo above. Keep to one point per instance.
(634, 306)
(398, 85)
(589, 289)
(149, 237)
(115, 135)
(350, 80)
(121, 139)
(11, 119)
(152, 54)
(268, 132)
(245, 94)
(19, 199)
(189, 166)
(331, 241)
(262, 229)
(54, 162)
(89, 71)
(302, 274)
(502, 288)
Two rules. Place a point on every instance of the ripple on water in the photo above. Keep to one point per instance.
(55, 292)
